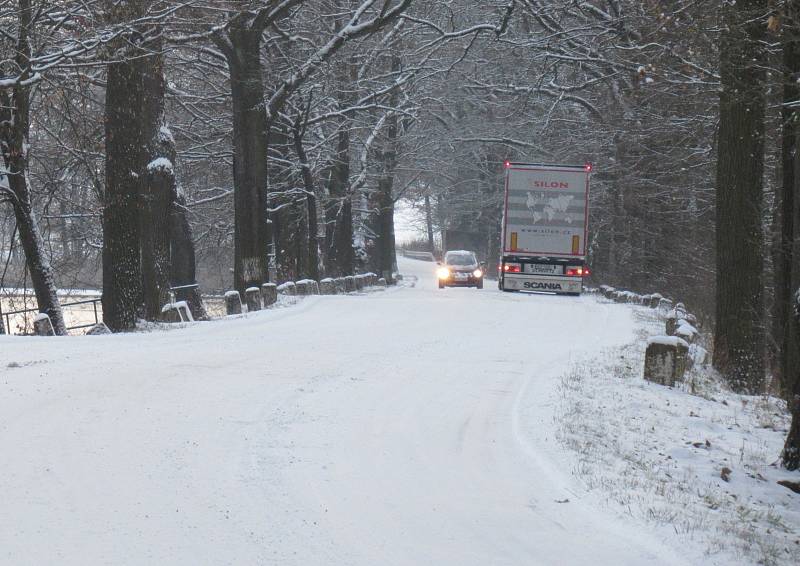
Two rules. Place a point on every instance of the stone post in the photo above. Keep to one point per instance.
(42, 326)
(327, 286)
(665, 360)
(303, 288)
(288, 288)
(252, 296)
(233, 303)
(269, 294)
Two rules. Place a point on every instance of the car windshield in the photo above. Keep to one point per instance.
(460, 259)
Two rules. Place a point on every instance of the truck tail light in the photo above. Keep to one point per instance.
(512, 268)
(578, 271)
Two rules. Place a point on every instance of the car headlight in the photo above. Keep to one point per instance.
(477, 273)
(443, 273)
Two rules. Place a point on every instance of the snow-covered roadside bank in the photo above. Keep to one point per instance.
(659, 455)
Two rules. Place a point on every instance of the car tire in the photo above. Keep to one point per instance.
(441, 285)
(479, 285)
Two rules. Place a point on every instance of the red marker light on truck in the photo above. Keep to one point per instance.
(588, 167)
(511, 268)
(506, 164)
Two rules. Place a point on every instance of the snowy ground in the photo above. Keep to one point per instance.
(659, 454)
(415, 426)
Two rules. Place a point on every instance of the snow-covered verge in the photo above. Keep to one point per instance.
(696, 458)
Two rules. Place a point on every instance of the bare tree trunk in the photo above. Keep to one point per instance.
(159, 188)
(429, 224)
(739, 334)
(125, 145)
(14, 135)
(340, 258)
(785, 328)
(182, 258)
(383, 203)
(790, 456)
(250, 141)
(311, 203)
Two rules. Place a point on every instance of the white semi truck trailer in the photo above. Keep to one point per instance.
(545, 228)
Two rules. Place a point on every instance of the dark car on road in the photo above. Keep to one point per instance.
(460, 268)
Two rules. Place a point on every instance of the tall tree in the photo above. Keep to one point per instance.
(739, 345)
(254, 114)
(126, 142)
(15, 125)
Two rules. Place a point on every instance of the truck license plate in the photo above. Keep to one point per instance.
(544, 269)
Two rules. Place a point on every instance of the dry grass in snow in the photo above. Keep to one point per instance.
(696, 459)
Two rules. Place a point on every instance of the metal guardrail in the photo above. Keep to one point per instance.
(93, 302)
(173, 291)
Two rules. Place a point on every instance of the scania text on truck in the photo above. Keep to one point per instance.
(545, 228)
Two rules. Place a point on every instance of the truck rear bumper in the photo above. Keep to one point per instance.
(551, 284)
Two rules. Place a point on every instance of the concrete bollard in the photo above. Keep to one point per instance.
(42, 325)
(350, 284)
(233, 303)
(382, 283)
(314, 287)
(655, 298)
(327, 286)
(664, 305)
(269, 294)
(665, 360)
(341, 287)
(288, 288)
(252, 297)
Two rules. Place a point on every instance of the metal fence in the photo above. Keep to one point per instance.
(24, 312)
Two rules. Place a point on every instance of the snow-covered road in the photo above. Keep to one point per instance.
(410, 427)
